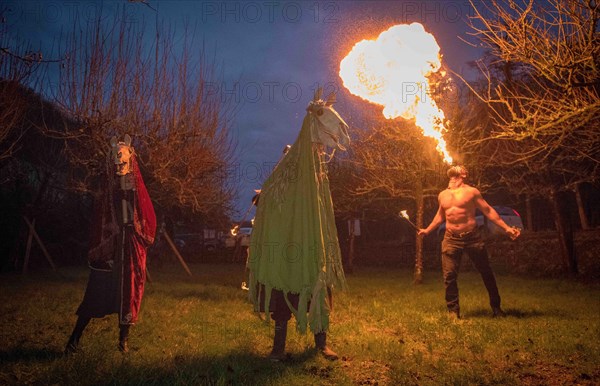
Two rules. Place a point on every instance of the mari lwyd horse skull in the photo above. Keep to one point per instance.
(121, 153)
(332, 131)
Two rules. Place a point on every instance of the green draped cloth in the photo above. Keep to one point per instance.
(294, 245)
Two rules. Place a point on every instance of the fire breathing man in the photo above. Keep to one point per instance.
(457, 206)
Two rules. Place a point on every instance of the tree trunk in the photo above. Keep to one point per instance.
(418, 275)
(528, 212)
(581, 209)
(565, 238)
(350, 267)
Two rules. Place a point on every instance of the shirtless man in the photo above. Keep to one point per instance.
(457, 206)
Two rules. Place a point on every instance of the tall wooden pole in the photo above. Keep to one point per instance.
(40, 243)
(28, 250)
(581, 209)
(185, 266)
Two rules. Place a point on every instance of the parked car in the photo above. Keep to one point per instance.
(510, 216)
(194, 242)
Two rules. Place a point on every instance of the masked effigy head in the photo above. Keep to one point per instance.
(121, 152)
(332, 131)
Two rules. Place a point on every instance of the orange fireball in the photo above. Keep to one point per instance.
(393, 71)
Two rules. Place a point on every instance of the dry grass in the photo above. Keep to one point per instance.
(201, 330)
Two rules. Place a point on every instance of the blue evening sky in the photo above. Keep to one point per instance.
(273, 54)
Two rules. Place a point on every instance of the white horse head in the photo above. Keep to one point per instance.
(331, 130)
(121, 152)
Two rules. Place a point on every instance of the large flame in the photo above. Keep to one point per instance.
(393, 71)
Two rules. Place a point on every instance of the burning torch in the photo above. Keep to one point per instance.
(404, 215)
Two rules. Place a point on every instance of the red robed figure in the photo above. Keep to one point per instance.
(118, 244)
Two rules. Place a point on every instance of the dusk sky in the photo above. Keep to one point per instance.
(273, 54)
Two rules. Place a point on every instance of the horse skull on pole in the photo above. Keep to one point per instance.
(332, 130)
(121, 153)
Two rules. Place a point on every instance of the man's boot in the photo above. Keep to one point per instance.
(73, 342)
(278, 352)
(321, 344)
(123, 337)
(454, 315)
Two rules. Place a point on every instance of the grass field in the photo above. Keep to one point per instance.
(200, 331)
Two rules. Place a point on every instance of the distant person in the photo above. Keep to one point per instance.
(255, 200)
(256, 197)
(123, 227)
(457, 206)
(241, 252)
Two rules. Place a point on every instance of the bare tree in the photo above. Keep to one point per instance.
(542, 89)
(395, 165)
(12, 112)
(17, 65)
(551, 93)
(122, 79)
(544, 177)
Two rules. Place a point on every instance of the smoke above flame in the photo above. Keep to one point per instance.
(393, 71)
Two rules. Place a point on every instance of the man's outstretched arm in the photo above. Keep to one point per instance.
(494, 217)
(437, 220)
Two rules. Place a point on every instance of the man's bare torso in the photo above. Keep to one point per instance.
(458, 205)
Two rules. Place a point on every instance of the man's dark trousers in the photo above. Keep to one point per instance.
(472, 244)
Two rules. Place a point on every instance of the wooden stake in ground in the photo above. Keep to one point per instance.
(28, 249)
(168, 238)
(40, 243)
